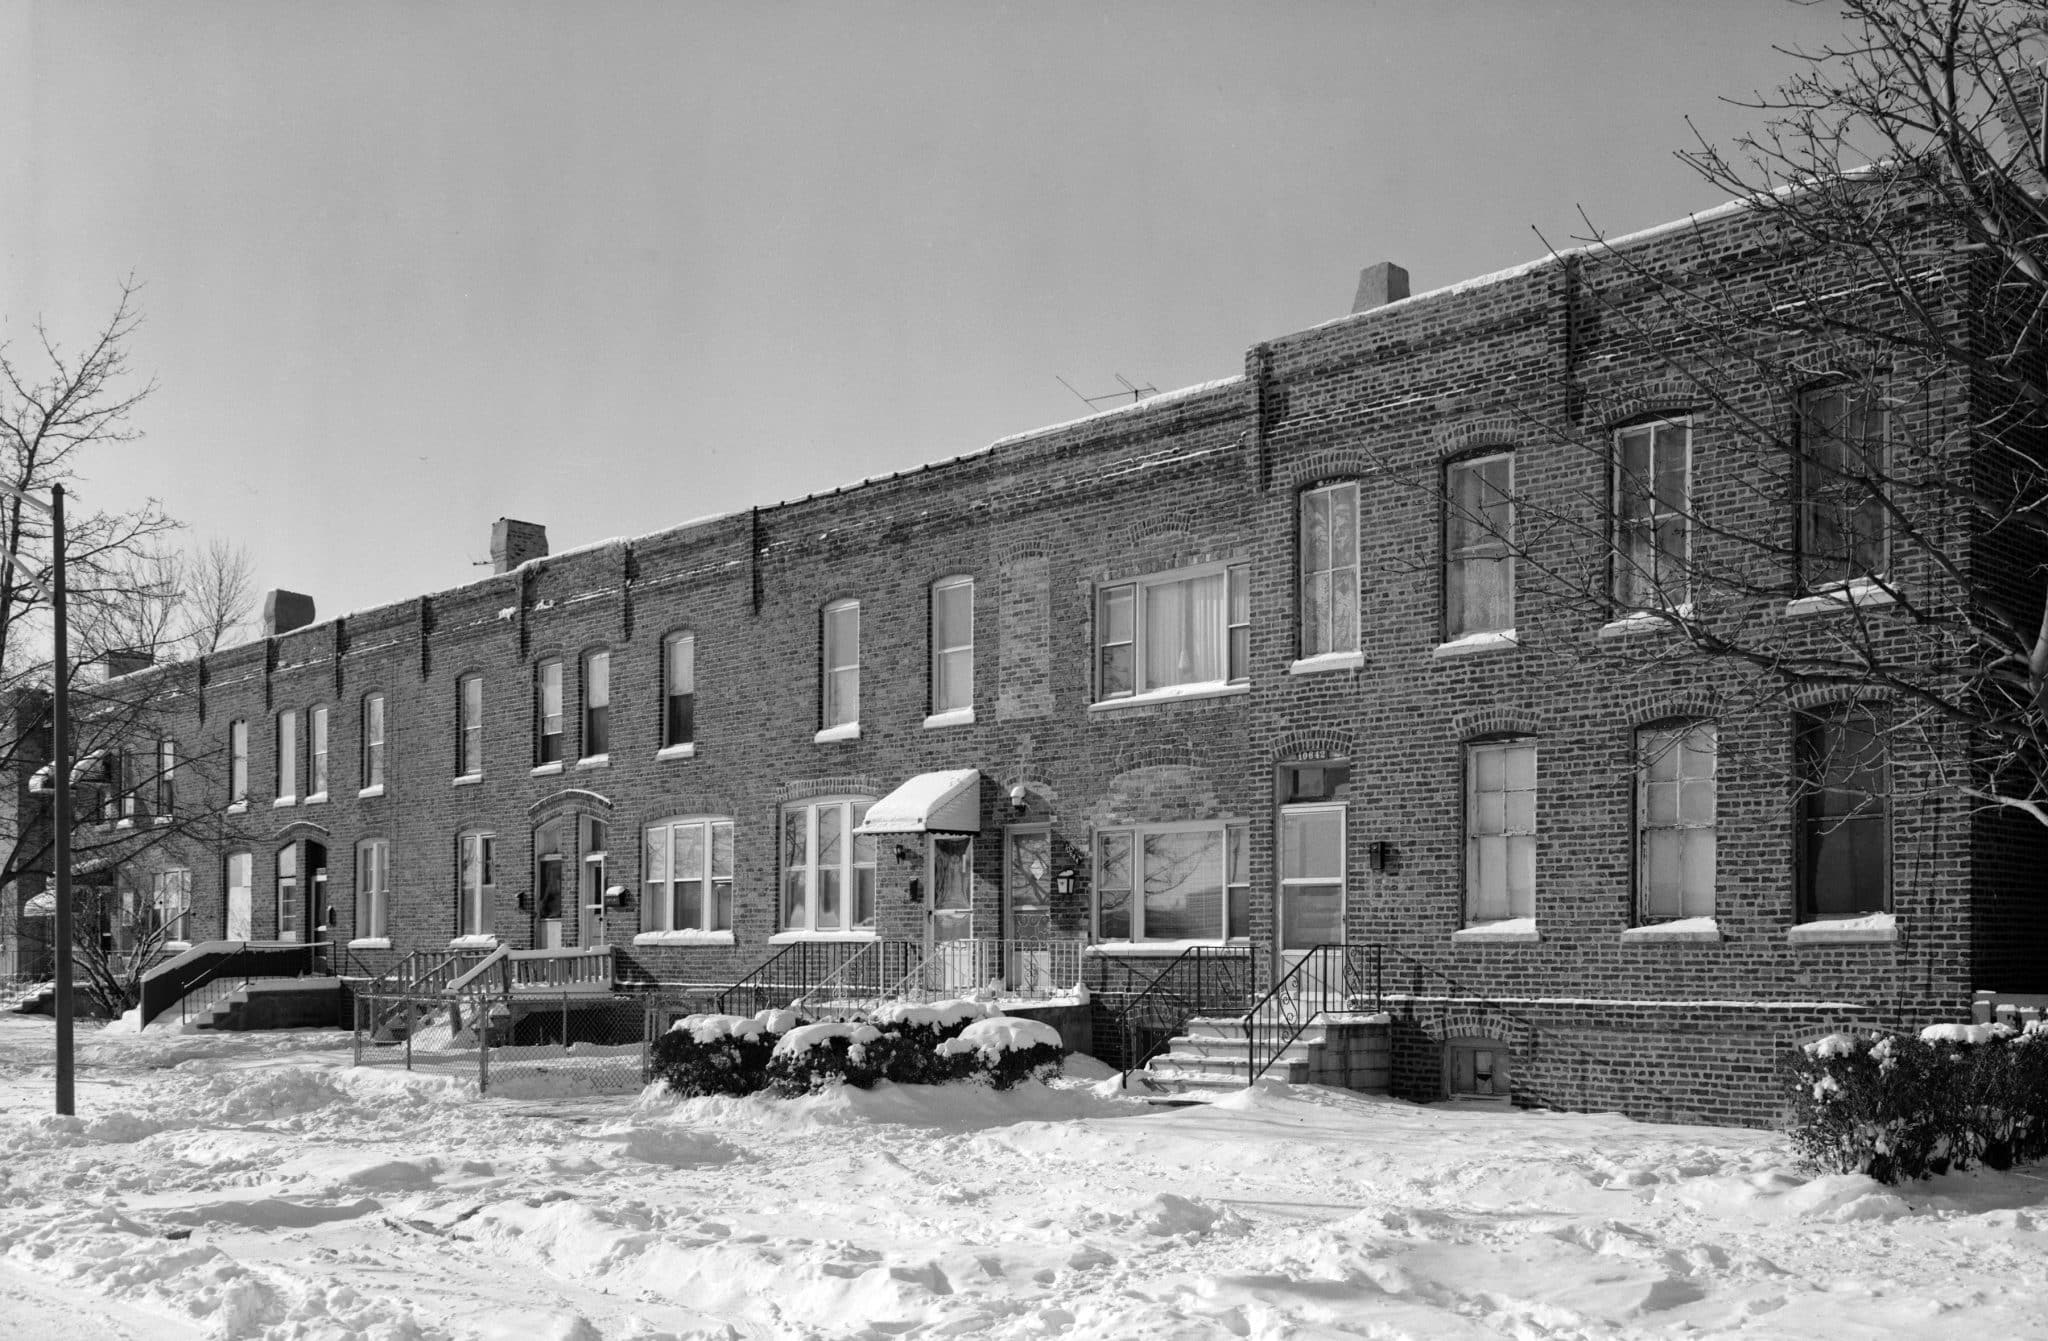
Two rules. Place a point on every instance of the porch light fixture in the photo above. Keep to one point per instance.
(1064, 881)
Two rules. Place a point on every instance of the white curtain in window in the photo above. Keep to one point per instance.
(1184, 623)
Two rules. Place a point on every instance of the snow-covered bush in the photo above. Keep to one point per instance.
(910, 1048)
(1004, 1050)
(813, 1056)
(719, 1054)
(1898, 1106)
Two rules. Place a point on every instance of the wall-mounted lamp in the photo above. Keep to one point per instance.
(1065, 881)
(616, 896)
(904, 854)
(1379, 855)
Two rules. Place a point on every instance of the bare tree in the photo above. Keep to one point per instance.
(219, 586)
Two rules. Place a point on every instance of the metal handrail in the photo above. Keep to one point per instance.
(175, 987)
(1305, 992)
(786, 975)
(843, 986)
(1222, 980)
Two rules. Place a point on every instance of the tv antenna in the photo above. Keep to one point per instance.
(1131, 389)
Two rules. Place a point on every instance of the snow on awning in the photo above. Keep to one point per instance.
(946, 802)
(39, 781)
(42, 905)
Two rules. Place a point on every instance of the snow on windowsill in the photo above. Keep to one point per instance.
(1172, 693)
(1858, 592)
(239, 808)
(683, 936)
(370, 943)
(1509, 931)
(1684, 929)
(466, 780)
(124, 824)
(1644, 621)
(1492, 640)
(548, 769)
(844, 731)
(485, 941)
(1871, 929)
(1144, 949)
(1327, 661)
(594, 761)
(281, 802)
(951, 717)
(835, 937)
(161, 820)
(686, 750)
(317, 799)
(377, 790)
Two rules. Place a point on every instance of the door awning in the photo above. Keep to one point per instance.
(40, 905)
(945, 802)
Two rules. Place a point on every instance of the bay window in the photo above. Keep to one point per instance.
(828, 873)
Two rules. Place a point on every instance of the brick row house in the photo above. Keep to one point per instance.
(1263, 663)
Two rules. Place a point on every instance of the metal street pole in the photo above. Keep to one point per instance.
(60, 766)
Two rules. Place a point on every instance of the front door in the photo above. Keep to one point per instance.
(547, 899)
(241, 871)
(291, 911)
(1027, 908)
(590, 925)
(950, 927)
(1311, 895)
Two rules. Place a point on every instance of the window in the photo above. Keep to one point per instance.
(238, 761)
(689, 876)
(1844, 842)
(1172, 882)
(476, 882)
(1652, 512)
(1479, 537)
(828, 874)
(316, 754)
(548, 690)
(841, 665)
(952, 645)
(1477, 1068)
(290, 907)
(1329, 570)
(170, 904)
(678, 690)
(1675, 821)
(109, 788)
(1311, 876)
(469, 726)
(1500, 831)
(1179, 628)
(1842, 525)
(166, 777)
(288, 755)
(597, 704)
(240, 882)
(373, 889)
(373, 741)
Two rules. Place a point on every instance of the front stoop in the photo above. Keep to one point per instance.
(273, 1003)
(1212, 1057)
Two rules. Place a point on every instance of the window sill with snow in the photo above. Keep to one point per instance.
(1870, 929)
(683, 936)
(1854, 594)
(1160, 949)
(1175, 693)
(1472, 644)
(1680, 931)
(1508, 931)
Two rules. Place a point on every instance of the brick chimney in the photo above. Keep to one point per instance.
(284, 611)
(2020, 115)
(127, 662)
(514, 542)
(1379, 285)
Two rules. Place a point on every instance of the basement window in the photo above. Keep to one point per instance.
(1477, 1068)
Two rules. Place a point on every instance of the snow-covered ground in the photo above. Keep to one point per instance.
(257, 1186)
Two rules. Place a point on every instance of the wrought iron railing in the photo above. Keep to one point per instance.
(1149, 1006)
(1329, 978)
(172, 981)
(786, 975)
(1009, 968)
(1042, 968)
(872, 974)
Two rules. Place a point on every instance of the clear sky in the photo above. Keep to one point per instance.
(411, 267)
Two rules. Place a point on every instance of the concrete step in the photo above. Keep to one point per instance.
(1163, 1088)
(1238, 1069)
(1202, 1045)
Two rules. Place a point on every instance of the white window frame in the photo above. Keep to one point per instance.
(839, 665)
(1230, 633)
(548, 712)
(287, 756)
(476, 902)
(597, 698)
(246, 860)
(316, 753)
(952, 651)
(800, 822)
(171, 901)
(238, 760)
(658, 903)
(373, 889)
(1288, 882)
(285, 875)
(469, 726)
(1636, 586)
(678, 683)
(1482, 546)
(1517, 838)
(1656, 745)
(1321, 563)
(1233, 836)
(373, 742)
(166, 777)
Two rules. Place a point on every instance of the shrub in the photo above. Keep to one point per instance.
(719, 1054)
(911, 1035)
(814, 1055)
(1004, 1050)
(1899, 1106)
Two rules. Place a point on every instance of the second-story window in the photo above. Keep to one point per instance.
(547, 712)
(1652, 515)
(373, 741)
(1842, 515)
(1183, 628)
(597, 704)
(952, 645)
(678, 690)
(166, 776)
(1479, 537)
(840, 665)
(1329, 570)
(316, 754)
(238, 760)
(469, 726)
(288, 755)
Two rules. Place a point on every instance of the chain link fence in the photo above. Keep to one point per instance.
(522, 1044)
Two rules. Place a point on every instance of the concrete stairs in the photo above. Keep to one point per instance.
(1213, 1057)
(270, 1003)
